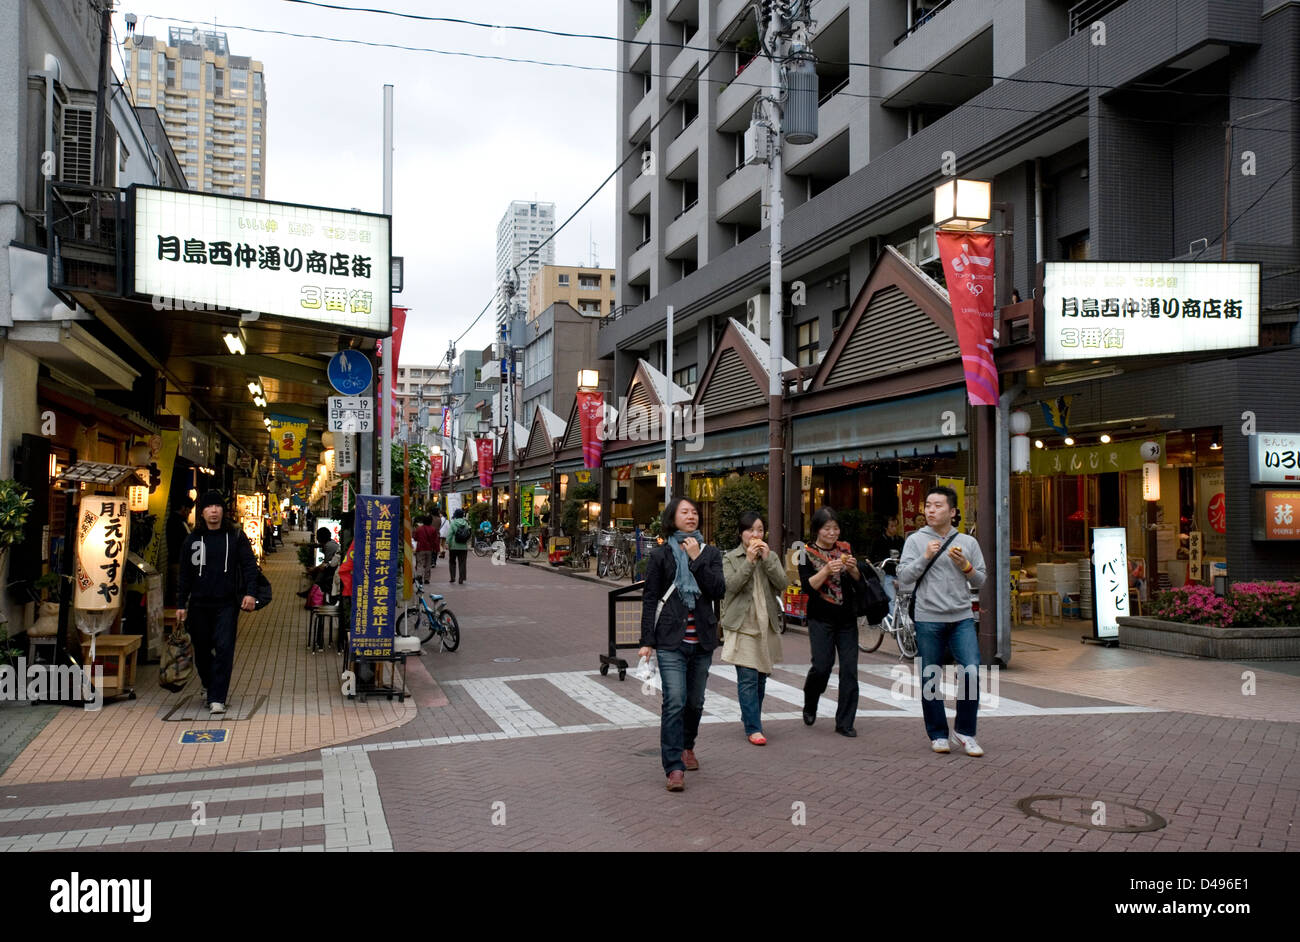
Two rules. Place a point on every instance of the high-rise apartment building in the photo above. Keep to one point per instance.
(521, 231)
(213, 105)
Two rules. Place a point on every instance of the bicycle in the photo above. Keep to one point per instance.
(482, 541)
(429, 621)
(612, 559)
(896, 624)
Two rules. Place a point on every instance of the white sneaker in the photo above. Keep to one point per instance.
(939, 745)
(969, 744)
(217, 707)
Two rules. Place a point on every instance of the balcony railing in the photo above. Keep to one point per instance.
(615, 314)
(844, 83)
(691, 205)
(925, 13)
(85, 244)
(1083, 15)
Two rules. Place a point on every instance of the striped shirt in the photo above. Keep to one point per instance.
(692, 636)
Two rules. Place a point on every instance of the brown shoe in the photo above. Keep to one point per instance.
(688, 759)
(676, 781)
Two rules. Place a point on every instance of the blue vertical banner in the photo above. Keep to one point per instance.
(377, 570)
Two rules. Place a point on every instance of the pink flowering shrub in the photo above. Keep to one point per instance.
(1247, 605)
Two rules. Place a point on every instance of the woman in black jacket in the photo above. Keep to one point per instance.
(685, 575)
(829, 576)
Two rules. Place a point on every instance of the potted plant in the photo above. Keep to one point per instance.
(14, 507)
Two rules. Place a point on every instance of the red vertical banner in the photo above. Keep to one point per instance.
(909, 500)
(435, 474)
(485, 460)
(399, 327)
(591, 415)
(968, 270)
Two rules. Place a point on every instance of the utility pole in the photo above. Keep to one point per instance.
(101, 95)
(507, 352)
(387, 361)
(794, 82)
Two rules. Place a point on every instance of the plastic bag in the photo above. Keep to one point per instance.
(645, 670)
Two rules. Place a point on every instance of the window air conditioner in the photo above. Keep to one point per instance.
(907, 250)
(757, 315)
(927, 249)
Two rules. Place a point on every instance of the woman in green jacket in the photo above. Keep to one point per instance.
(751, 619)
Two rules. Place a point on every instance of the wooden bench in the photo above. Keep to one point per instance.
(119, 650)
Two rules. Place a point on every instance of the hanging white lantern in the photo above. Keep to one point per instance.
(103, 535)
(1019, 442)
(138, 497)
(327, 439)
(1150, 480)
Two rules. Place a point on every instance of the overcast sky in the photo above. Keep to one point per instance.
(470, 135)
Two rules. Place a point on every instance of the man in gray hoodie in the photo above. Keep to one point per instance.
(940, 566)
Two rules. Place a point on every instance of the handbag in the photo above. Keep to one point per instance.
(261, 591)
(660, 607)
(177, 664)
(870, 600)
(315, 596)
(911, 601)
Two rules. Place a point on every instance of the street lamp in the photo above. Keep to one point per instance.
(588, 379)
(963, 204)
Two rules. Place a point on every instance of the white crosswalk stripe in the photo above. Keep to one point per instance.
(351, 811)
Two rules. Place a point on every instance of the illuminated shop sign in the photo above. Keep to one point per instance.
(1097, 310)
(1274, 458)
(325, 266)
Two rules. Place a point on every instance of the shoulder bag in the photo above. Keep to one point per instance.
(911, 601)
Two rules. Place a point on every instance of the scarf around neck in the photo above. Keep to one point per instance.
(832, 590)
(687, 587)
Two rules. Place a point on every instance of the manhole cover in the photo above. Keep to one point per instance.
(505, 660)
(1092, 813)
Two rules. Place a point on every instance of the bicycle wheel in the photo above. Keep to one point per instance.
(481, 547)
(602, 564)
(417, 626)
(534, 548)
(450, 632)
(905, 638)
(622, 566)
(870, 636)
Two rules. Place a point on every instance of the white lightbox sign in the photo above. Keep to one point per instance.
(1274, 458)
(1109, 579)
(224, 253)
(1095, 310)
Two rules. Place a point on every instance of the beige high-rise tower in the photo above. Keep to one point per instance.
(213, 106)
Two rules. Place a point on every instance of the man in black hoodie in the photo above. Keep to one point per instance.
(217, 568)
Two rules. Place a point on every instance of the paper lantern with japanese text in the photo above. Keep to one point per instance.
(103, 535)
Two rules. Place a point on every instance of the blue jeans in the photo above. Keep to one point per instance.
(751, 686)
(932, 639)
(685, 674)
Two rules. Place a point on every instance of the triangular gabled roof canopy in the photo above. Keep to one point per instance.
(547, 427)
(737, 374)
(573, 428)
(901, 320)
(649, 389)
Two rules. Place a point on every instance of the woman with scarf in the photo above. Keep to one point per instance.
(829, 574)
(751, 619)
(685, 575)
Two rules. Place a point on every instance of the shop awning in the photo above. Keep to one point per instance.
(533, 475)
(635, 455)
(724, 450)
(934, 423)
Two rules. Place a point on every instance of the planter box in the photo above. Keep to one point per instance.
(1225, 644)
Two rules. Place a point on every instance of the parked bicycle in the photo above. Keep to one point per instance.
(424, 621)
(896, 623)
(613, 558)
(516, 546)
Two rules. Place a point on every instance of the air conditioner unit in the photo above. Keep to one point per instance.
(927, 249)
(757, 315)
(907, 250)
(77, 146)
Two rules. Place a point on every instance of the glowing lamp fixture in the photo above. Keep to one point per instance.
(1038, 443)
(1019, 441)
(1105, 439)
(1069, 440)
(963, 204)
(235, 342)
(1151, 480)
(255, 387)
(138, 497)
(588, 379)
(259, 401)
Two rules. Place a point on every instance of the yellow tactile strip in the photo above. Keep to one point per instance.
(305, 708)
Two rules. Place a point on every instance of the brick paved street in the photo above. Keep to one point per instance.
(516, 742)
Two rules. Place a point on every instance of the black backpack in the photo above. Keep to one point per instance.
(870, 601)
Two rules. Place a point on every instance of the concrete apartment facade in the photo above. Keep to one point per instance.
(561, 341)
(523, 228)
(417, 383)
(1126, 138)
(589, 291)
(213, 105)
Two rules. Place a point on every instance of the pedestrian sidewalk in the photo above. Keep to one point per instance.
(283, 700)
